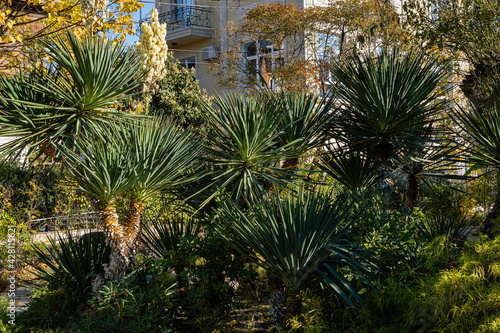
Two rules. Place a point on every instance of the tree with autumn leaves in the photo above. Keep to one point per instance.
(307, 41)
(25, 22)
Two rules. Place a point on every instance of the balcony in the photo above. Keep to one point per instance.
(187, 24)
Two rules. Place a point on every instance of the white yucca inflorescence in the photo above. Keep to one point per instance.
(153, 48)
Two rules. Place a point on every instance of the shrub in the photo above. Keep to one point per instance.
(49, 309)
(465, 298)
(71, 262)
(140, 302)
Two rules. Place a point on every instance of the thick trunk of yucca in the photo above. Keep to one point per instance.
(385, 177)
(118, 261)
(277, 299)
(413, 187)
(132, 226)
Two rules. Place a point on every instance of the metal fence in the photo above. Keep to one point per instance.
(89, 220)
(186, 17)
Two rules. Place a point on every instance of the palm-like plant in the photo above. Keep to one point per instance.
(243, 146)
(136, 160)
(71, 260)
(353, 169)
(80, 90)
(388, 102)
(436, 160)
(299, 239)
(303, 119)
(478, 128)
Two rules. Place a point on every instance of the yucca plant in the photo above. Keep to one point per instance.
(303, 120)
(165, 238)
(243, 147)
(455, 226)
(438, 160)
(83, 87)
(299, 239)
(72, 262)
(353, 169)
(478, 129)
(388, 102)
(136, 161)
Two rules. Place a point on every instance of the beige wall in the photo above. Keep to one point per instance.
(207, 80)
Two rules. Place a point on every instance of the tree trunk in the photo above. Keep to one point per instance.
(132, 226)
(413, 187)
(277, 300)
(385, 178)
(118, 261)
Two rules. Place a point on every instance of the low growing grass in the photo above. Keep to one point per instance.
(465, 298)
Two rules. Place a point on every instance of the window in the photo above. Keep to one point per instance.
(183, 11)
(188, 63)
(261, 59)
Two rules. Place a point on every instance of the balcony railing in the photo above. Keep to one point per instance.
(186, 17)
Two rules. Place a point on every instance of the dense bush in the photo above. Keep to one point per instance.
(27, 192)
(463, 298)
(139, 302)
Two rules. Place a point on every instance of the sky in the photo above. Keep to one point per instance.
(148, 6)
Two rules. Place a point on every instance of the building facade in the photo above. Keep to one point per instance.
(196, 34)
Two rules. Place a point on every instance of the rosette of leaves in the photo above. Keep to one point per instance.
(49, 106)
(301, 240)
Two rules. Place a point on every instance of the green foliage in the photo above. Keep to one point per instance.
(391, 98)
(313, 318)
(57, 104)
(27, 191)
(202, 267)
(352, 169)
(243, 148)
(444, 199)
(464, 299)
(48, 310)
(298, 239)
(139, 302)
(303, 119)
(139, 158)
(456, 226)
(469, 27)
(480, 129)
(4, 303)
(167, 235)
(180, 98)
(71, 262)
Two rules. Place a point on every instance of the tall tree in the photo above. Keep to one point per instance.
(469, 30)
